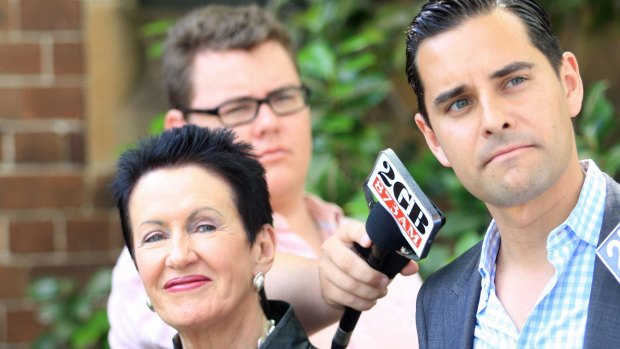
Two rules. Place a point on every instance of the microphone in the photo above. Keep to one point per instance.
(402, 225)
(386, 238)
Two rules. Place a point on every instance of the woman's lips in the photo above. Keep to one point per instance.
(186, 283)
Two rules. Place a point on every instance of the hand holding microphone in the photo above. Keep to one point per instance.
(402, 225)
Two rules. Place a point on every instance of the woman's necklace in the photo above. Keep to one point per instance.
(269, 326)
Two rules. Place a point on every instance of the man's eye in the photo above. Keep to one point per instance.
(515, 81)
(154, 237)
(283, 97)
(238, 109)
(458, 105)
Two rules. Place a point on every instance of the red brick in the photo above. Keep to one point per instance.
(40, 191)
(14, 281)
(37, 147)
(76, 148)
(22, 326)
(61, 102)
(50, 15)
(68, 58)
(102, 195)
(117, 241)
(88, 234)
(31, 237)
(4, 15)
(20, 58)
(79, 273)
(10, 103)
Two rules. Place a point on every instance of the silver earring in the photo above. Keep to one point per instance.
(259, 281)
(149, 304)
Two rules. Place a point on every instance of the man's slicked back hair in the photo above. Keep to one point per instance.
(439, 16)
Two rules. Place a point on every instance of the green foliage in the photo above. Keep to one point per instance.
(592, 15)
(347, 52)
(156, 31)
(76, 317)
(597, 130)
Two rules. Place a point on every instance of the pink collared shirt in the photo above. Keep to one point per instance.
(389, 324)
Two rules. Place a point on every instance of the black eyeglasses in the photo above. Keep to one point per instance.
(241, 111)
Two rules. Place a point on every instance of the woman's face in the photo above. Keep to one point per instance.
(191, 248)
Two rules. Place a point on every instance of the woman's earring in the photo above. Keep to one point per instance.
(149, 304)
(259, 281)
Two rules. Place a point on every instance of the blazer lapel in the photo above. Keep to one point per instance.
(466, 291)
(603, 323)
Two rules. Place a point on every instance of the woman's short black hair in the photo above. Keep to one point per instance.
(214, 150)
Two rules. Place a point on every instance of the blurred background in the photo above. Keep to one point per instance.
(80, 82)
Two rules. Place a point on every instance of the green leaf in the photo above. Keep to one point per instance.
(312, 19)
(91, 332)
(317, 59)
(49, 288)
(51, 313)
(357, 206)
(155, 50)
(466, 241)
(99, 284)
(335, 124)
(156, 125)
(81, 308)
(597, 114)
(157, 27)
(47, 340)
(362, 41)
(350, 68)
(459, 221)
(612, 165)
(437, 258)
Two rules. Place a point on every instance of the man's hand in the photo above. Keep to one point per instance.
(346, 279)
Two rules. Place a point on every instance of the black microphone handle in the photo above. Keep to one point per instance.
(350, 316)
(345, 328)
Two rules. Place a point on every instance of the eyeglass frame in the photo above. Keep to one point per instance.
(259, 101)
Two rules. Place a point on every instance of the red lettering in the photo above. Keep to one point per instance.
(396, 211)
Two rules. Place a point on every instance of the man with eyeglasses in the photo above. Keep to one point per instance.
(240, 111)
(234, 67)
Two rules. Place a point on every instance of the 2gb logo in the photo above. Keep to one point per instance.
(609, 252)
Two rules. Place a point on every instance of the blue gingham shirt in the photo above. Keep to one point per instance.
(558, 320)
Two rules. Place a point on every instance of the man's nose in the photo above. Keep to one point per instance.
(495, 117)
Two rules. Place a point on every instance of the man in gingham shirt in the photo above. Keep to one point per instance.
(496, 98)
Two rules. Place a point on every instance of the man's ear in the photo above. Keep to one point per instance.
(571, 80)
(174, 118)
(431, 139)
(264, 249)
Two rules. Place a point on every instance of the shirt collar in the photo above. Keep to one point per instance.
(584, 220)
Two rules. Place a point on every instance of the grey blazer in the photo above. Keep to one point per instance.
(448, 300)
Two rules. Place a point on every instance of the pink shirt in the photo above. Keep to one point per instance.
(389, 324)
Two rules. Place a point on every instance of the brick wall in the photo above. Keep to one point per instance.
(56, 215)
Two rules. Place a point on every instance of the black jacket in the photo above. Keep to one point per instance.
(448, 300)
(288, 332)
